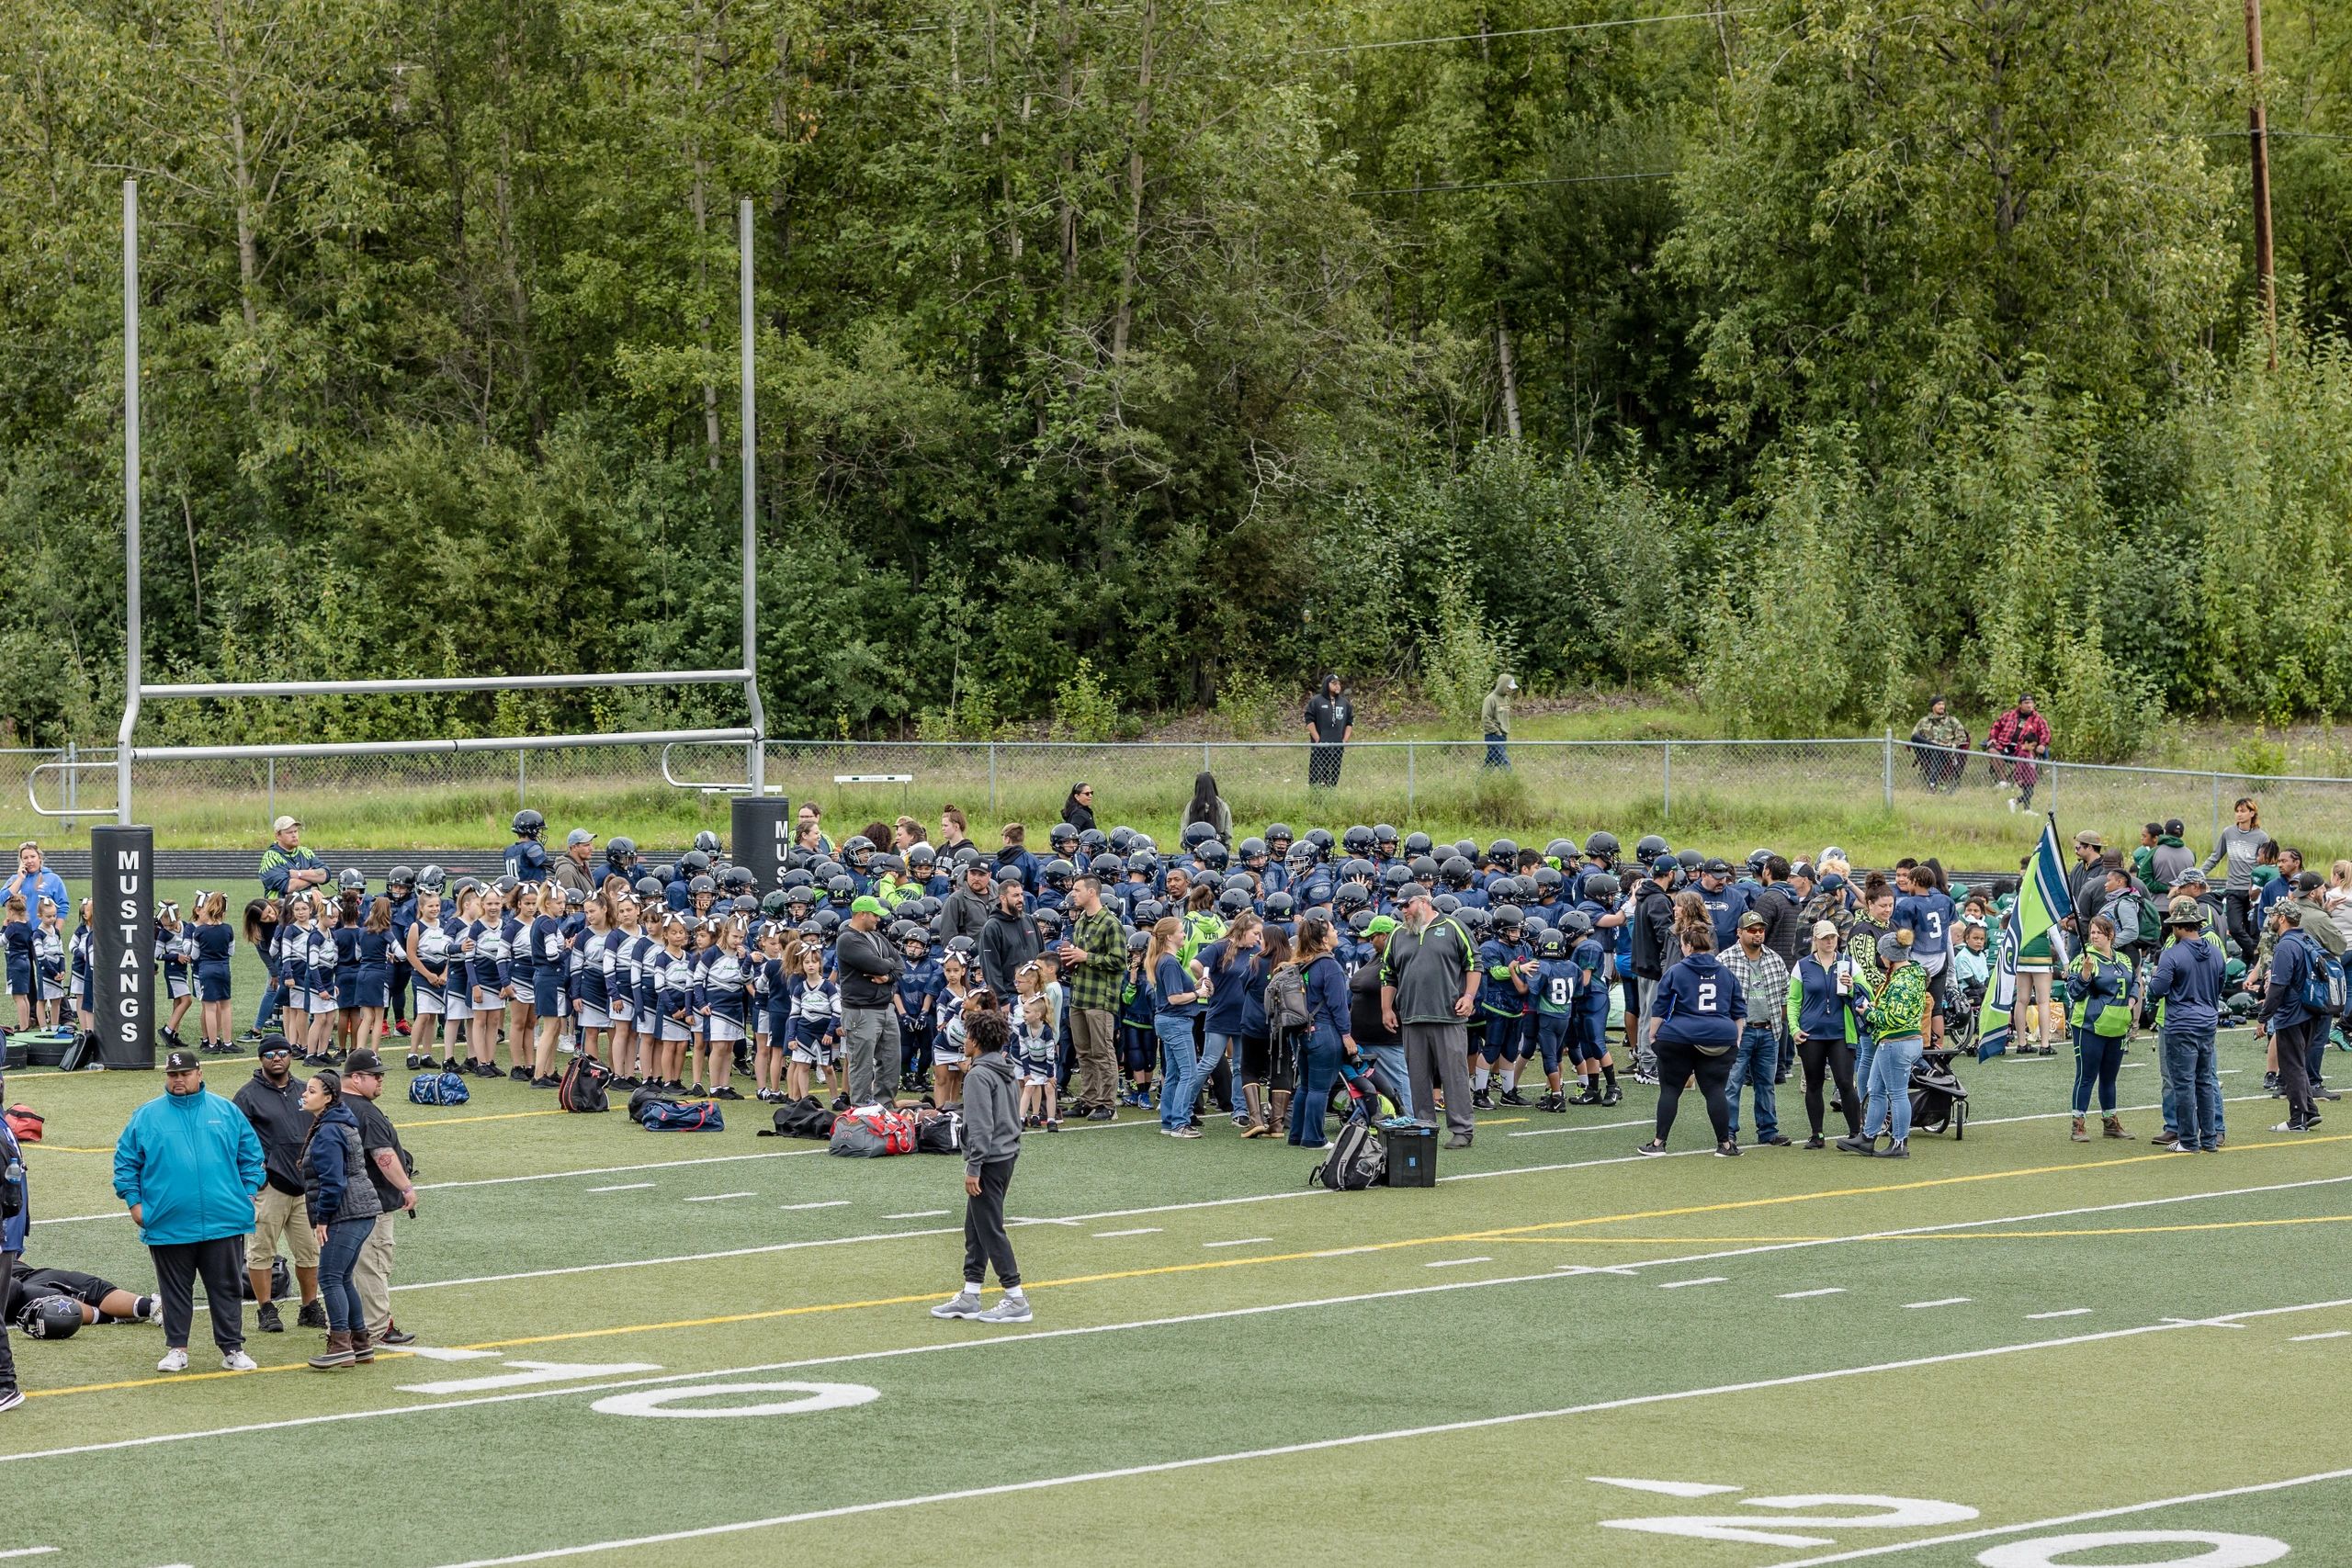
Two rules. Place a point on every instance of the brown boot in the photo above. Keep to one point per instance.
(1256, 1126)
(2115, 1130)
(1278, 1122)
(363, 1347)
(2078, 1135)
(336, 1357)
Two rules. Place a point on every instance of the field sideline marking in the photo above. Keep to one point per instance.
(1118, 1214)
(1322, 1445)
(2085, 1518)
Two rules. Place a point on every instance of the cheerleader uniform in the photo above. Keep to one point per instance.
(80, 966)
(725, 991)
(289, 945)
(674, 981)
(49, 961)
(490, 972)
(545, 952)
(20, 937)
(212, 946)
(403, 976)
(620, 979)
(775, 988)
(590, 955)
(1038, 1049)
(457, 983)
(173, 951)
(319, 954)
(372, 984)
(816, 1015)
(346, 967)
(522, 974)
(431, 968)
(645, 955)
(947, 1042)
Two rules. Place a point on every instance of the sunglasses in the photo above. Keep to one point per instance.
(266, 1055)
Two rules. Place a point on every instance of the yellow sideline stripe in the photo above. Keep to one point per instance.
(1505, 1233)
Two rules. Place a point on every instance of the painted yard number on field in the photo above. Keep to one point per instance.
(2214, 1549)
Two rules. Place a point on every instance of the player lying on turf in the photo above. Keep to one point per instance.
(33, 1298)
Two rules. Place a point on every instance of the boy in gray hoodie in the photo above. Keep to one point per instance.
(991, 1145)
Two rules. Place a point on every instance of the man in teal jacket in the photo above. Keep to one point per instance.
(190, 1169)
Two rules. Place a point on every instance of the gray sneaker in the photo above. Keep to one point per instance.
(1013, 1308)
(963, 1304)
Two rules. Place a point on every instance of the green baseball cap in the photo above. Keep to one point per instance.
(1381, 925)
(868, 905)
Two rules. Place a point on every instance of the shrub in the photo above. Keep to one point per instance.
(1084, 709)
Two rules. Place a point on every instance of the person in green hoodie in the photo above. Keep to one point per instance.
(1494, 717)
(189, 1169)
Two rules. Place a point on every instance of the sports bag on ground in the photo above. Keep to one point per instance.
(804, 1118)
(581, 1088)
(438, 1088)
(682, 1116)
(1357, 1160)
(868, 1132)
(939, 1133)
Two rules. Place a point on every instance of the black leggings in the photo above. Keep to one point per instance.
(2237, 909)
(1831, 1053)
(1677, 1060)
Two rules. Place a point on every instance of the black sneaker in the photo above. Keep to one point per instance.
(1859, 1146)
(1901, 1149)
(1481, 1101)
(394, 1335)
(312, 1316)
(725, 1092)
(1585, 1096)
(1727, 1149)
(414, 1062)
(1551, 1102)
(546, 1083)
(1814, 1143)
(520, 1075)
(1102, 1113)
(1512, 1097)
(266, 1319)
(1612, 1095)
(10, 1397)
(1776, 1140)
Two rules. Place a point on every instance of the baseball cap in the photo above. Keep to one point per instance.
(868, 905)
(2087, 839)
(183, 1061)
(1717, 865)
(363, 1061)
(2289, 911)
(2189, 877)
(1802, 868)
(1824, 928)
(274, 1045)
(1751, 918)
(1381, 925)
(2307, 882)
(578, 835)
(285, 822)
(2184, 912)
(1411, 891)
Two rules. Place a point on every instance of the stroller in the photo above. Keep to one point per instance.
(1938, 1100)
(1371, 1097)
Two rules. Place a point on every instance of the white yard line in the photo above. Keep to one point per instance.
(624, 1187)
(2331, 1334)
(917, 1215)
(1433, 1429)
(827, 1204)
(1943, 1301)
(1456, 1262)
(1239, 1241)
(1140, 1230)
(721, 1197)
(1808, 1295)
(2068, 1311)
(1680, 1284)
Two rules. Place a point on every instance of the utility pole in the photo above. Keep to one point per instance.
(2259, 139)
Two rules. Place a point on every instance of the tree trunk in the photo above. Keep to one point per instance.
(1510, 376)
(1124, 318)
(702, 276)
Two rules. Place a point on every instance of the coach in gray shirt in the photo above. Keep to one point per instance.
(869, 968)
(1428, 979)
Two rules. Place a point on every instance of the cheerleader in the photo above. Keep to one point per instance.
(1037, 1046)
(490, 973)
(673, 978)
(320, 951)
(649, 947)
(590, 1010)
(78, 964)
(815, 1023)
(546, 949)
(514, 926)
(947, 1044)
(289, 941)
(210, 943)
(48, 962)
(428, 968)
(19, 936)
(173, 951)
(373, 981)
(261, 933)
(400, 892)
(347, 914)
(776, 1016)
(620, 990)
(725, 985)
(573, 928)
(462, 926)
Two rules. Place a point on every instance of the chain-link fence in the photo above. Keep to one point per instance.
(1727, 789)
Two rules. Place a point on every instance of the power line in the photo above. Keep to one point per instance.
(1512, 185)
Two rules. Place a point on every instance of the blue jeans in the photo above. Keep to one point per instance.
(1754, 1063)
(1498, 751)
(266, 1014)
(340, 1251)
(1181, 1082)
(2097, 1060)
(1890, 1085)
(1319, 1064)
(2197, 1087)
(1390, 1060)
(1864, 1048)
(1226, 1049)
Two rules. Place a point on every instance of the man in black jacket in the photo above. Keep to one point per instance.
(964, 912)
(272, 1101)
(1009, 939)
(1654, 949)
(868, 967)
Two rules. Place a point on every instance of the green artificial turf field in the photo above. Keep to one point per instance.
(716, 1350)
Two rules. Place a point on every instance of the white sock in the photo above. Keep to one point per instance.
(967, 1288)
(1013, 1294)
(1478, 1077)
(1510, 1079)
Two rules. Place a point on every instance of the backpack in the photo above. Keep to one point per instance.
(281, 1282)
(940, 1133)
(81, 1053)
(2323, 983)
(682, 1116)
(872, 1133)
(1286, 1000)
(25, 1123)
(438, 1088)
(644, 1095)
(804, 1118)
(1357, 1160)
(581, 1088)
